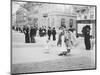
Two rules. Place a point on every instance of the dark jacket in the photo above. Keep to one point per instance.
(53, 32)
(33, 32)
(49, 32)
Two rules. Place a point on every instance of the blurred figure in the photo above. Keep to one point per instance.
(54, 34)
(43, 31)
(13, 27)
(86, 33)
(60, 37)
(32, 34)
(49, 33)
(73, 37)
(26, 32)
(40, 31)
(67, 43)
(16, 28)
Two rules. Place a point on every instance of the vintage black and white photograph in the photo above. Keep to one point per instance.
(52, 37)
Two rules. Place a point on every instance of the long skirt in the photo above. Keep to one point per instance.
(63, 46)
(27, 39)
(33, 39)
(59, 41)
(87, 44)
(68, 44)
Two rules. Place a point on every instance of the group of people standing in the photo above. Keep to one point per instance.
(65, 40)
(43, 31)
(30, 33)
(66, 37)
(51, 32)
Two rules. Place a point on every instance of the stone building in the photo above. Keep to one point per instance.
(56, 15)
(52, 15)
(21, 17)
(85, 16)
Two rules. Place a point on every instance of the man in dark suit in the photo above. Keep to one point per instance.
(49, 33)
(41, 32)
(54, 34)
(26, 32)
(32, 34)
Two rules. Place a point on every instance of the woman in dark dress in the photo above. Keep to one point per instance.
(26, 32)
(40, 31)
(86, 33)
(32, 34)
(49, 33)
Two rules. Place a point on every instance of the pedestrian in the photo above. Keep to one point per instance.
(43, 31)
(49, 33)
(73, 37)
(66, 47)
(60, 33)
(35, 28)
(74, 40)
(54, 34)
(26, 32)
(86, 33)
(68, 40)
(32, 34)
(40, 31)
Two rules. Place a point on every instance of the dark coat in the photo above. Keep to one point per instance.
(86, 33)
(49, 32)
(26, 32)
(53, 32)
(33, 32)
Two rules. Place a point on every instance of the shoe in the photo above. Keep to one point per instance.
(61, 54)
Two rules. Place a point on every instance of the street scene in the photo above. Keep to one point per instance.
(48, 37)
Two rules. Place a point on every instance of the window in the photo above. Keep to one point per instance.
(71, 23)
(63, 22)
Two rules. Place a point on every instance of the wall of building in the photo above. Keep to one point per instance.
(52, 14)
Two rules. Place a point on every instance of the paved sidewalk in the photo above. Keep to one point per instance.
(35, 57)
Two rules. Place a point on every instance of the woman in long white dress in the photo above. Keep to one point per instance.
(60, 34)
(66, 43)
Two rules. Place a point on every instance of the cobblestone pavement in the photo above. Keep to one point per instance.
(35, 57)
